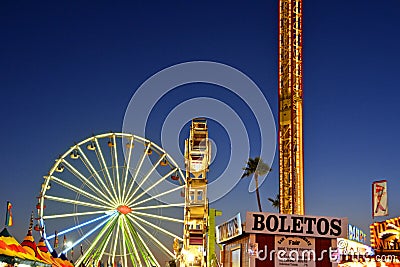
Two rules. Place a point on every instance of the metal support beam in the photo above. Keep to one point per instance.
(291, 180)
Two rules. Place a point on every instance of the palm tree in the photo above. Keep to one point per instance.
(275, 202)
(257, 167)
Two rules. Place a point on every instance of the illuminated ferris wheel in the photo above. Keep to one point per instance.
(116, 199)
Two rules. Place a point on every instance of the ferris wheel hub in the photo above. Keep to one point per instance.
(123, 209)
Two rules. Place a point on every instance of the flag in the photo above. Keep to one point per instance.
(379, 199)
(55, 240)
(64, 242)
(9, 220)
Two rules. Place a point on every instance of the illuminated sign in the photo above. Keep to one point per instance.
(356, 234)
(385, 236)
(352, 249)
(299, 225)
(229, 229)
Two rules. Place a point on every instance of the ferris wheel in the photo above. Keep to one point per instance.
(114, 199)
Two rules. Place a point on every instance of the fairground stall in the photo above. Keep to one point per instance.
(269, 239)
(354, 248)
(385, 240)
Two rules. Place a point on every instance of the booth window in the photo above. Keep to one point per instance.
(235, 257)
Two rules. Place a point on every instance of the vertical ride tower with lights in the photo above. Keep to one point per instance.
(291, 171)
(197, 160)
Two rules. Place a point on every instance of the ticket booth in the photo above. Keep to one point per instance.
(269, 240)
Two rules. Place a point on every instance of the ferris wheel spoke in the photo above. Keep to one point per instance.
(154, 185)
(131, 245)
(134, 256)
(157, 227)
(109, 222)
(157, 217)
(84, 180)
(116, 240)
(131, 251)
(78, 190)
(156, 196)
(181, 175)
(123, 244)
(75, 202)
(93, 171)
(116, 168)
(106, 222)
(146, 177)
(76, 214)
(138, 167)
(49, 217)
(78, 226)
(106, 241)
(137, 244)
(147, 254)
(127, 164)
(160, 206)
(156, 241)
(104, 166)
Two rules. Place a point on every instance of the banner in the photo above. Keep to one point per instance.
(55, 239)
(379, 199)
(9, 219)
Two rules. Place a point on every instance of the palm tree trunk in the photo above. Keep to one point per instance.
(257, 192)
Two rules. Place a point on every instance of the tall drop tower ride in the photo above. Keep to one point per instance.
(291, 169)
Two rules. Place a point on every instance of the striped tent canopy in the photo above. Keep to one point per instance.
(44, 252)
(56, 262)
(64, 263)
(12, 252)
(30, 246)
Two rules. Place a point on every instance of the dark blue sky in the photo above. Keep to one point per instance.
(69, 69)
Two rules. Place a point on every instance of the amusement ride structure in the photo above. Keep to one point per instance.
(108, 193)
(291, 166)
(197, 161)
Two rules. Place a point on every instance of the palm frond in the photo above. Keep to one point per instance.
(256, 165)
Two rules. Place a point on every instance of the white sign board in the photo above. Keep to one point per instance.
(229, 229)
(379, 199)
(294, 251)
(297, 225)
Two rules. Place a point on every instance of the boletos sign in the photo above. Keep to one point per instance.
(299, 225)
